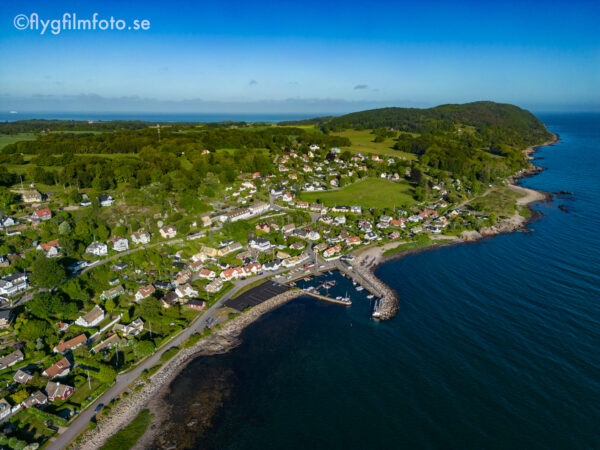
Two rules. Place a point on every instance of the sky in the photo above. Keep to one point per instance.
(309, 56)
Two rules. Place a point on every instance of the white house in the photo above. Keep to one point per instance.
(91, 318)
(120, 244)
(106, 200)
(13, 283)
(97, 248)
(141, 237)
(168, 232)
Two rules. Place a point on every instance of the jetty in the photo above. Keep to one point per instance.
(387, 304)
(327, 299)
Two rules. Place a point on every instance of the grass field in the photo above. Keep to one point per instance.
(128, 436)
(6, 139)
(368, 193)
(362, 141)
(501, 201)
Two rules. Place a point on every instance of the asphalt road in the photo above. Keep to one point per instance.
(125, 379)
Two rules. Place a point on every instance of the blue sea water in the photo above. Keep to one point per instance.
(496, 344)
(156, 117)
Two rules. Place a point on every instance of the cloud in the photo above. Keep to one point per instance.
(361, 86)
(253, 82)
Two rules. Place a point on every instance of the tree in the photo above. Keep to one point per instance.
(34, 329)
(47, 273)
(65, 228)
(7, 198)
(19, 396)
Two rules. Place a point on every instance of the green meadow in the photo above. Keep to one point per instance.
(362, 141)
(368, 193)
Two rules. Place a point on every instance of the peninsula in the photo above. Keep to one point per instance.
(127, 247)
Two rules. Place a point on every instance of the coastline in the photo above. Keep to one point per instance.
(223, 339)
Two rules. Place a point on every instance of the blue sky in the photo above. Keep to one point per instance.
(305, 56)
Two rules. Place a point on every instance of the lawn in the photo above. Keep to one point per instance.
(83, 392)
(6, 139)
(501, 201)
(362, 141)
(128, 436)
(368, 193)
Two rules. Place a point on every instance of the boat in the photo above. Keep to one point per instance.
(376, 313)
(370, 296)
(360, 288)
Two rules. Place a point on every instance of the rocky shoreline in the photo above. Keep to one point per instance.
(221, 340)
(225, 338)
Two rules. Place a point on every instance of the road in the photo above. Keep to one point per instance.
(125, 379)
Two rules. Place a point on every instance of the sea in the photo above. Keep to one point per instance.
(7, 116)
(496, 344)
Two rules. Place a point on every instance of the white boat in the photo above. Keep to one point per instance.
(370, 296)
(360, 288)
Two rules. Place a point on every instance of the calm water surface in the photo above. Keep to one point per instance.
(496, 345)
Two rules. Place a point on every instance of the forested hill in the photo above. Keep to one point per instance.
(492, 122)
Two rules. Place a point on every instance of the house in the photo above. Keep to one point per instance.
(30, 196)
(260, 244)
(356, 209)
(340, 220)
(13, 283)
(232, 273)
(272, 265)
(91, 318)
(353, 240)
(78, 266)
(332, 251)
(230, 248)
(287, 229)
(297, 246)
(112, 293)
(120, 244)
(287, 197)
(186, 290)
(97, 249)
(196, 304)
(302, 205)
(214, 286)
(282, 255)
(252, 269)
(370, 236)
(7, 221)
(118, 267)
(206, 221)
(110, 342)
(51, 248)
(314, 235)
(132, 329)
(196, 235)
(22, 377)
(141, 237)
(105, 200)
(169, 299)
(41, 215)
(58, 369)
(71, 344)
(168, 232)
(264, 227)
(35, 399)
(207, 274)
(183, 277)
(5, 318)
(5, 409)
(11, 359)
(58, 391)
(143, 292)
